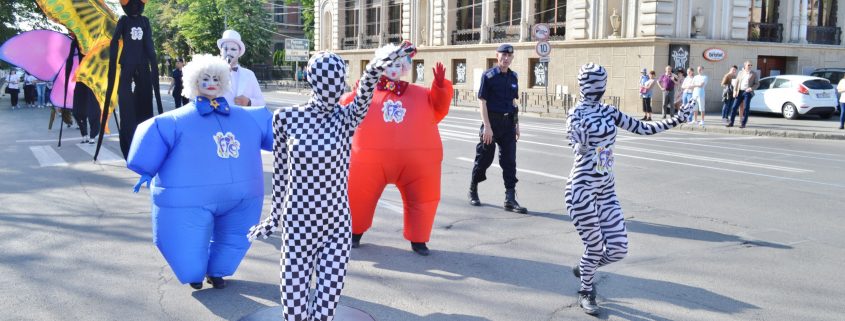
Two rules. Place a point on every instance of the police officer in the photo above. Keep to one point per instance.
(500, 125)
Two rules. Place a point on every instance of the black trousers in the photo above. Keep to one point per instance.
(13, 93)
(86, 110)
(134, 106)
(178, 99)
(504, 135)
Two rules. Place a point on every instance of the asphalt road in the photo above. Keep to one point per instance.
(720, 227)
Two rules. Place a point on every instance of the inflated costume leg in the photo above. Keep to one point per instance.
(331, 271)
(229, 243)
(182, 235)
(366, 184)
(612, 225)
(420, 188)
(581, 207)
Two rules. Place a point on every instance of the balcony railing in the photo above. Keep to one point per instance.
(350, 43)
(394, 38)
(370, 42)
(557, 31)
(466, 36)
(765, 32)
(504, 33)
(824, 35)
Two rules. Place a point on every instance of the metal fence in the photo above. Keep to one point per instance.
(540, 103)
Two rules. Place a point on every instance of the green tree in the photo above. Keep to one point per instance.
(307, 19)
(168, 41)
(204, 21)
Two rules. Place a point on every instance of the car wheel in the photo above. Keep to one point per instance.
(789, 111)
(826, 115)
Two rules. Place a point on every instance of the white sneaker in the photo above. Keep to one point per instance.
(84, 140)
(701, 124)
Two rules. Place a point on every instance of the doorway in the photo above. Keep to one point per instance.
(771, 65)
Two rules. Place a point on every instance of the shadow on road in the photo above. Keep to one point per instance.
(694, 234)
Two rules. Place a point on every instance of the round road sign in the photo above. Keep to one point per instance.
(543, 48)
(541, 32)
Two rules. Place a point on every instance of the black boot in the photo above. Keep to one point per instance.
(587, 301)
(196, 285)
(356, 240)
(216, 282)
(510, 202)
(473, 194)
(420, 248)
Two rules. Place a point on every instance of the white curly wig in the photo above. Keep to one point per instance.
(388, 49)
(204, 64)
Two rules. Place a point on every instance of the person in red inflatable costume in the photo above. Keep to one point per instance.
(399, 143)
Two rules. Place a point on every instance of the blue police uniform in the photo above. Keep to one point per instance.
(499, 90)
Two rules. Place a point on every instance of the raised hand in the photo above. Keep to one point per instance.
(439, 74)
(405, 49)
(685, 112)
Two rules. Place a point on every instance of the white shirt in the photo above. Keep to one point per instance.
(13, 81)
(244, 83)
(841, 86)
(687, 82)
(699, 80)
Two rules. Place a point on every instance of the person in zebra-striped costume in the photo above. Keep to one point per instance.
(312, 144)
(590, 190)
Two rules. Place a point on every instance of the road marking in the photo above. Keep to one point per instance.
(748, 148)
(54, 140)
(46, 156)
(719, 160)
(520, 170)
(106, 156)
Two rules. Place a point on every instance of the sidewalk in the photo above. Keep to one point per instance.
(772, 125)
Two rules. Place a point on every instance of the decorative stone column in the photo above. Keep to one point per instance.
(439, 28)
(409, 26)
(527, 20)
(802, 28)
(362, 22)
(382, 24)
(580, 15)
(657, 18)
(739, 20)
(487, 10)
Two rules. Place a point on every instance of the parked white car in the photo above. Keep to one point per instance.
(795, 95)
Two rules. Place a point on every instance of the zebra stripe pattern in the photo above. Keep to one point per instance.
(590, 193)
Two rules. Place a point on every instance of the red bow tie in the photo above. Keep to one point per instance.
(397, 87)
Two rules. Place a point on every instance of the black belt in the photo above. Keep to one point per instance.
(495, 115)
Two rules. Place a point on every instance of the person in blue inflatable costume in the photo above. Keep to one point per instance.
(202, 163)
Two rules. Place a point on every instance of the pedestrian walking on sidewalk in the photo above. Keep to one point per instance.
(728, 93)
(499, 126)
(746, 82)
(29, 90)
(680, 77)
(176, 85)
(646, 92)
(13, 88)
(699, 89)
(841, 89)
(667, 83)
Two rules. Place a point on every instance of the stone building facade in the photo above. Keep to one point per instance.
(777, 36)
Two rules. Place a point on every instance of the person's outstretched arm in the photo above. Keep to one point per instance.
(636, 126)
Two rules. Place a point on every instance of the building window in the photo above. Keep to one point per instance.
(419, 71)
(350, 31)
(373, 19)
(762, 21)
(821, 24)
(552, 13)
(394, 22)
(508, 15)
(467, 22)
(538, 76)
(459, 74)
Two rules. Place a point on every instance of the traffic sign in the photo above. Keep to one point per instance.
(545, 59)
(296, 50)
(543, 48)
(541, 32)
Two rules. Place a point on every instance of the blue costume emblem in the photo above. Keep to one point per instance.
(604, 160)
(227, 145)
(393, 111)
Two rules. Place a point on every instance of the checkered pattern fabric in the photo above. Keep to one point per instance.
(312, 147)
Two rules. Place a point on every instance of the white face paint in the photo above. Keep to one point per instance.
(210, 86)
(393, 71)
(230, 51)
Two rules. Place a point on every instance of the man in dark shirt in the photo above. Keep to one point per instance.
(500, 125)
(667, 85)
(176, 86)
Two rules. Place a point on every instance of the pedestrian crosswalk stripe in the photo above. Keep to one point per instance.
(46, 156)
(106, 156)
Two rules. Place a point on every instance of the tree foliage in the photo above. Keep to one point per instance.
(203, 22)
(307, 19)
(168, 41)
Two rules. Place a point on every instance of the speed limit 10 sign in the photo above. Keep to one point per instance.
(543, 48)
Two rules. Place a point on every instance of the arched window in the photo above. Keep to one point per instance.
(763, 21)
(552, 13)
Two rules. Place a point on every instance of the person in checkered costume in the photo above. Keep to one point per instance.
(311, 147)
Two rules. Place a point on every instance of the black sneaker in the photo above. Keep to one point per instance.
(587, 301)
(356, 240)
(420, 248)
(216, 282)
(196, 285)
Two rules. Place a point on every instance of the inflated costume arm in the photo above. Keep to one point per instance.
(280, 181)
(114, 47)
(264, 120)
(150, 146)
(364, 95)
(151, 57)
(636, 126)
(441, 99)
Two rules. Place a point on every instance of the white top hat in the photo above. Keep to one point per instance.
(233, 36)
